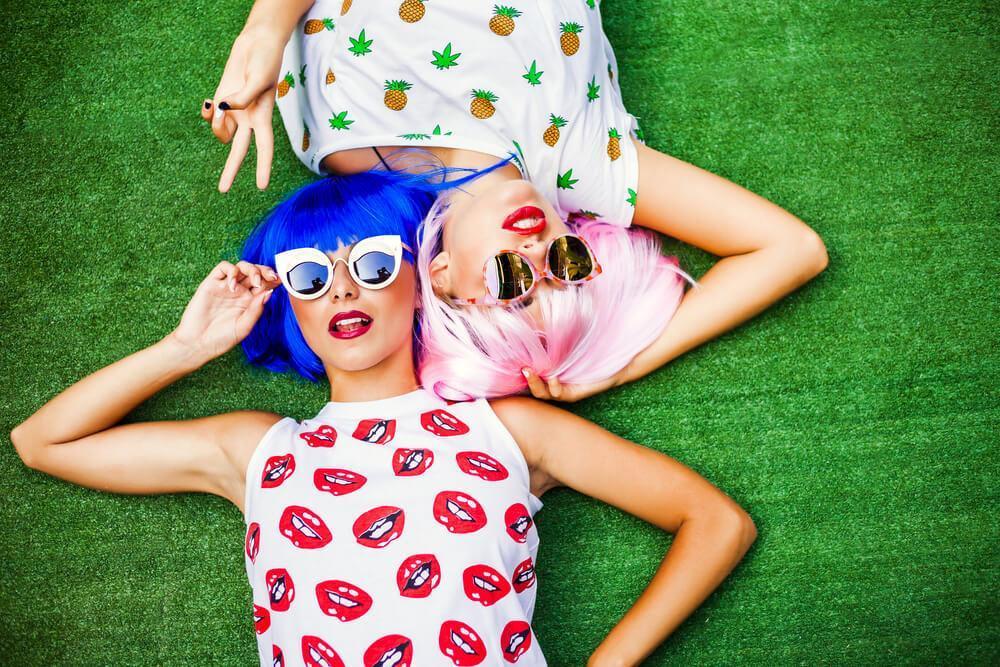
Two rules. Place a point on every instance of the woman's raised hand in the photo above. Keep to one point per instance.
(244, 101)
(224, 308)
(553, 390)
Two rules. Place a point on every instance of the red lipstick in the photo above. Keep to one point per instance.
(350, 324)
(519, 221)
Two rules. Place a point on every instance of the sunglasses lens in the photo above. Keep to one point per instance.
(374, 268)
(508, 276)
(569, 259)
(307, 277)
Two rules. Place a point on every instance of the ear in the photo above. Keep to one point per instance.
(440, 276)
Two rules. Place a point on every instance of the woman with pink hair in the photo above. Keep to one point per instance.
(359, 85)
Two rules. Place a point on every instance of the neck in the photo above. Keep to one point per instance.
(393, 376)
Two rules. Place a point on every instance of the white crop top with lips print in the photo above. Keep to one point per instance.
(392, 533)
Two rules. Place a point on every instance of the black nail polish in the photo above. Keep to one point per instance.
(224, 106)
(208, 105)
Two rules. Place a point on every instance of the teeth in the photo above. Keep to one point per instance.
(526, 223)
(341, 600)
(482, 583)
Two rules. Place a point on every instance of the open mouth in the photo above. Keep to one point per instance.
(350, 324)
(525, 220)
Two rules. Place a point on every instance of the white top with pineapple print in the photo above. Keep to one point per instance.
(536, 78)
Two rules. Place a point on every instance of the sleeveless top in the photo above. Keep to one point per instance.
(536, 78)
(392, 532)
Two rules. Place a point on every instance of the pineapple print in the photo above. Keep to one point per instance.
(395, 94)
(314, 26)
(569, 40)
(482, 103)
(344, 8)
(611, 75)
(286, 84)
(305, 138)
(330, 76)
(502, 22)
(614, 148)
(411, 11)
(551, 136)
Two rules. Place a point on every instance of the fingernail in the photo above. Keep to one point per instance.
(232, 284)
(267, 295)
(525, 373)
(208, 105)
(218, 113)
(224, 106)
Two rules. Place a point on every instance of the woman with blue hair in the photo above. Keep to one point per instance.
(394, 527)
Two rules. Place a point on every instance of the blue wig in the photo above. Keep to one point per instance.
(330, 213)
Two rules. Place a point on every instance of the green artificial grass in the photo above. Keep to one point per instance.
(855, 420)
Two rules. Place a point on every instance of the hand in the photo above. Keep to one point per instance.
(244, 102)
(553, 390)
(224, 308)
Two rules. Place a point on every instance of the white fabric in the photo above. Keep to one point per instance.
(438, 107)
(329, 441)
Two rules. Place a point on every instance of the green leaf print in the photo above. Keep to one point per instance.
(302, 76)
(533, 76)
(566, 181)
(591, 3)
(414, 136)
(632, 196)
(360, 45)
(340, 121)
(639, 135)
(593, 90)
(444, 58)
(437, 131)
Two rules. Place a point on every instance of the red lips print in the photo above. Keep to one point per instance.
(418, 575)
(518, 521)
(379, 526)
(277, 470)
(376, 431)
(324, 436)
(443, 423)
(252, 543)
(411, 462)
(458, 641)
(317, 653)
(261, 619)
(338, 481)
(524, 575)
(304, 528)
(458, 512)
(389, 651)
(484, 584)
(515, 640)
(481, 465)
(280, 589)
(342, 599)
(277, 657)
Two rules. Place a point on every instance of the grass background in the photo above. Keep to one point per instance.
(855, 420)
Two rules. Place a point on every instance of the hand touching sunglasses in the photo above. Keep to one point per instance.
(373, 263)
(510, 277)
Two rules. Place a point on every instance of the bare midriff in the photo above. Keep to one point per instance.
(354, 160)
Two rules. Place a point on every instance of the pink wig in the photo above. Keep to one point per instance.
(588, 332)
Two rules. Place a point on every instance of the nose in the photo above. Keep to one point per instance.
(533, 247)
(343, 287)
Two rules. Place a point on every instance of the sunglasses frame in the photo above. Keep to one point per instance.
(389, 244)
(490, 300)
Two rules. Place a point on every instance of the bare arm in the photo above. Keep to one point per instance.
(712, 533)
(74, 436)
(766, 251)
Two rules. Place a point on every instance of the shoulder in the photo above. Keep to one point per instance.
(239, 432)
(529, 421)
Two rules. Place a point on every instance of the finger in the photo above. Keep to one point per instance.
(268, 273)
(256, 84)
(241, 143)
(555, 388)
(248, 318)
(219, 272)
(223, 125)
(264, 135)
(535, 384)
(206, 110)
